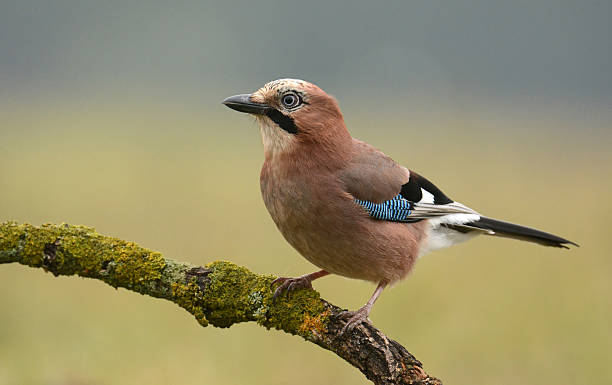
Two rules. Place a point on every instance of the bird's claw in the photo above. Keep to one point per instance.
(355, 318)
(289, 284)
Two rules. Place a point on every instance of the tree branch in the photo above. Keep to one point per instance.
(220, 294)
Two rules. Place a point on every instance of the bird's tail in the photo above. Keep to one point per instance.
(510, 230)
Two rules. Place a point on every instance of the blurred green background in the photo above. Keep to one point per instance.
(110, 116)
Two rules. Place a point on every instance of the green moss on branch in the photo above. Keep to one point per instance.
(221, 294)
(69, 250)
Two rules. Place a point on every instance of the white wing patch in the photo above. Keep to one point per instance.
(427, 197)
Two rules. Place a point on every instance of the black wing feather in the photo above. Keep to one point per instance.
(412, 190)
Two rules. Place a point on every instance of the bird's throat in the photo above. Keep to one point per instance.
(275, 140)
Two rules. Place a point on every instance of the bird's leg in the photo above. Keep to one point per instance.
(302, 282)
(360, 316)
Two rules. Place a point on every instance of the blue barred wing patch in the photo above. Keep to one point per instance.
(397, 209)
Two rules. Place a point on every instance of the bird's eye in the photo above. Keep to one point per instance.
(291, 100)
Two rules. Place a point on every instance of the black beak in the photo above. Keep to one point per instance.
(243, 103)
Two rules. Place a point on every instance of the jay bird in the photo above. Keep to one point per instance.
(345, 206)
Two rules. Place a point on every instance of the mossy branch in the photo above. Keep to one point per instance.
(220, 294)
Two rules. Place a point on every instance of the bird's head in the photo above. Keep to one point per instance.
(291, 113)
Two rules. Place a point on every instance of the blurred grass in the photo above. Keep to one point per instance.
(187, 184)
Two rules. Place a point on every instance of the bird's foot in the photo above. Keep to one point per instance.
(355, 318)
(289, 284)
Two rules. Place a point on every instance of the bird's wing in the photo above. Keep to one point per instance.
(371, 175)
(419, 199)
(399, 209)
(388, 191)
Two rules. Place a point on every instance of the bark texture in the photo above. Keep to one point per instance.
(220, 294)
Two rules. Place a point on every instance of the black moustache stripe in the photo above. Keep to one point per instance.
(283, 121)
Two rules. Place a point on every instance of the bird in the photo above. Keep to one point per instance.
(344, 205)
